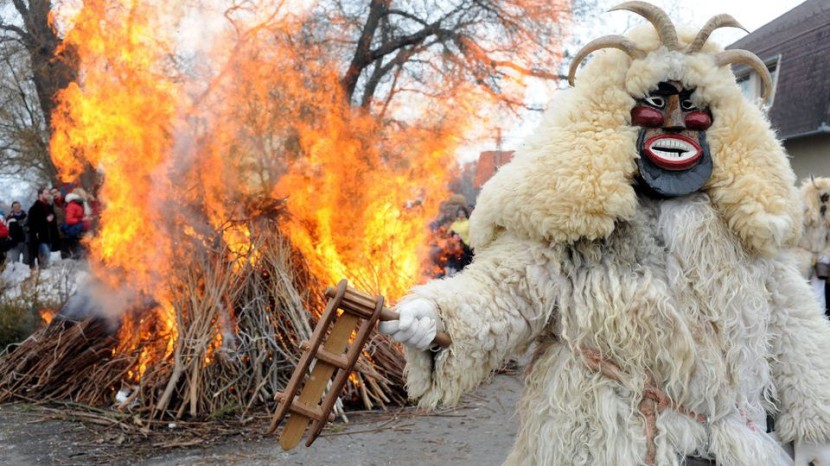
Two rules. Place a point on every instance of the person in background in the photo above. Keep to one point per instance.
(4, 239)
(73, 226)
(461, 254)
(43, 229)
(59, 206)
(16, 222)
(89, 212)
(813, 248)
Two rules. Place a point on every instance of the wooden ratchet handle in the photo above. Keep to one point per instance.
(361, 303)
(441, 339)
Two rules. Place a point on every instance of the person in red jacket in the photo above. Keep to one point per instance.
(73, 226)
(4, 239)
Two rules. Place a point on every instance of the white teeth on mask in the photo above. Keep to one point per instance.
(673, 149)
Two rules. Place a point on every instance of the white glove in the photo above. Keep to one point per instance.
(807, 453)
(417, 326)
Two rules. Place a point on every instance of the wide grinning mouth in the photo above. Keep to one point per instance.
(673, 151)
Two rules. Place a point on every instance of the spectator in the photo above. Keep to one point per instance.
(16, 221)
(461, 225)
(89, 212)
(59, 206)
(43, 230)
(460, 254)
(4, 239)
(74, 226)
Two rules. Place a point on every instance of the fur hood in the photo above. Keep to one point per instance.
(811, 192)
(816, 236)
(73, 197)
(574, 178)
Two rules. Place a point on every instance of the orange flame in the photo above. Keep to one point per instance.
(47, 315)
(189, 144)
(118, 119)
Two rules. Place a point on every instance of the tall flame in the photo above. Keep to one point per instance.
(191, 141)
(119, 120)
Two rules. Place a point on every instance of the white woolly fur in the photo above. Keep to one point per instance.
(692, 291)
(815, 238)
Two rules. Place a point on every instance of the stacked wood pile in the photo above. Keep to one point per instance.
(239, 322)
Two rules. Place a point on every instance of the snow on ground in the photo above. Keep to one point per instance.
(51, 286)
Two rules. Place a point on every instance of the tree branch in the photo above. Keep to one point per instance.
(23, 35)
(371, 84)
(363, 56)
(412, 39)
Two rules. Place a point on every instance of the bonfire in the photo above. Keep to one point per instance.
(238, 328)
(235, 190)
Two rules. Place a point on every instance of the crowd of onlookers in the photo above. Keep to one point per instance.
(56, 221)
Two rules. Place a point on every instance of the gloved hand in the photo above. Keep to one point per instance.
(812, 453)
(417, 326)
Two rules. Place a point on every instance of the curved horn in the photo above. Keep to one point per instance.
(813, 181)
(728, 57)
(617, 42)
(657, 17)
(716, 22)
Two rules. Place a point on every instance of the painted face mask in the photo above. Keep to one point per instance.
(674, 156)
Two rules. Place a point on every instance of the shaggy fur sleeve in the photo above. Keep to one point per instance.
(494, 308)
(800, 363)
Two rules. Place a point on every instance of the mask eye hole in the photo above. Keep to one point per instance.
(687, 105)
(825, 197)
(656, 101)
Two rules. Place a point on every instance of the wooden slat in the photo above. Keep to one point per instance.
(338, 360)
(336, 343)
(295, 406)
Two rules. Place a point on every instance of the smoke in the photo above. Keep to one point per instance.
(202, 117)
(94, 298)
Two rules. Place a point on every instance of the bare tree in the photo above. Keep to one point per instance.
(23, 132)
(428, 46)
(37, 67)
(53, 67)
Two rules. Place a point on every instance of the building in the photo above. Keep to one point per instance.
(489, 163)
(796, 49)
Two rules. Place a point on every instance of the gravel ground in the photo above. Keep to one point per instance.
(478, 432)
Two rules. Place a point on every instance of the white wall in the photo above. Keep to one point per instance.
(810, 156)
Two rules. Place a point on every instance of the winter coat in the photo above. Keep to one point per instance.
(17, 231)
(74, 213)
(41, 230)
(5, 241)
(694, 295)
(74, 225)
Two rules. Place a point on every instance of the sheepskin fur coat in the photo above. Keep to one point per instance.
(693, 293)
(814, 245)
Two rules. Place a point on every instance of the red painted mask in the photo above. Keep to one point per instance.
(674, 156)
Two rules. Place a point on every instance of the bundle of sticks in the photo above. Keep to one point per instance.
(238, 328)
(63, 361)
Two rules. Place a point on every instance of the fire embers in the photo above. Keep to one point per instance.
(674, 156)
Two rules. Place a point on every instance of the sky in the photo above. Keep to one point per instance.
(692, 13)
(750, 13)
